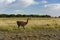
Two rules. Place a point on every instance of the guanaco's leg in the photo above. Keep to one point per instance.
(18, 26)
(23, 27)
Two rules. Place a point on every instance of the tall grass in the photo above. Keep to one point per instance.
(34, 24)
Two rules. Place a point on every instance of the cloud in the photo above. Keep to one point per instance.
(1, 1)
(10, 1)
(11, 5)
(22, 3)
(28, 2)
(44, 1)
(53, 6)
(53, 9)
(18, 11)
(7, 1)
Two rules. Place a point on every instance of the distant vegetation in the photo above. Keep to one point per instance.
(59, 16)
(19, 15)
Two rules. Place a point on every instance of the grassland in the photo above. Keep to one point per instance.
(36, 29)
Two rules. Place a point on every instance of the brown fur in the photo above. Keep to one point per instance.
(22, 23)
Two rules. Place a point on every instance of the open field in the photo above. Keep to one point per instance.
(36, 29)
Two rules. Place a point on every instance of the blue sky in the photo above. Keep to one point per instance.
(40, 7)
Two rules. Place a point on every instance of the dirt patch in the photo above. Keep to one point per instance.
(30, 36)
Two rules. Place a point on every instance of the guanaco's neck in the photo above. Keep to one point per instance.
(27, 20)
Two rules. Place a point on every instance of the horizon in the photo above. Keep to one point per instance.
(30, 14)
(36, 7)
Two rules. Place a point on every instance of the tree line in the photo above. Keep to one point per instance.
(19, 15)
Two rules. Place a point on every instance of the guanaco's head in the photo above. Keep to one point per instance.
(28, 18)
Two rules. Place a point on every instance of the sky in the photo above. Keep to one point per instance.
(39, 7)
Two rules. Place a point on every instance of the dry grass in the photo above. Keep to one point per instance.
(36, 29)
(10, 23)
